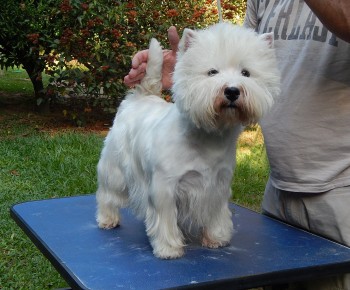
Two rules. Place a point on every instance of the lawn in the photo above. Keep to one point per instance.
(36, 163)
(15, 80)
(251, 171)
(39, 159)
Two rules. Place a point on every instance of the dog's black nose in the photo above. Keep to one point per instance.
(232, 93)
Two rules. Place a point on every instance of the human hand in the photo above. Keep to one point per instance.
(139, 62)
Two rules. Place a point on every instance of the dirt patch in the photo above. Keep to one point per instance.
(14, 98)
(22, 109)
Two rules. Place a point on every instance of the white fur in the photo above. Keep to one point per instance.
(173, 163)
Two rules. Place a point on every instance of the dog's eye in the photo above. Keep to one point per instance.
(245, 73)
(213, 72)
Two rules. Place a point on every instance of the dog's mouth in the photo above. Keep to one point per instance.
(237, 109)
(234, 110)
(224, 105)
(231, 105)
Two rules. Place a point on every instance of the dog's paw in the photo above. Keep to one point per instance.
(206, 242)
(168, 252)
(107, 222)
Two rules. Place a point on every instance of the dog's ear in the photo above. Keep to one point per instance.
(268, 37)
(187, 38)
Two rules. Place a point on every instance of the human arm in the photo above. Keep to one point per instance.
(251, 17)
(139, 62)
(334, 14)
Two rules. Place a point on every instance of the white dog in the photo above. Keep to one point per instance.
(173, 163)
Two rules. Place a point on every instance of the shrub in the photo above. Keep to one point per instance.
(86, 45)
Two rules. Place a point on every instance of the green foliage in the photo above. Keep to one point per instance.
(19, 38)
(110, 33)
(86, 45)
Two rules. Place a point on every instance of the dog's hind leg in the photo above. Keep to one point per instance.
(111, 195)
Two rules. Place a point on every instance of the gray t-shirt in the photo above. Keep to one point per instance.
(307, 133)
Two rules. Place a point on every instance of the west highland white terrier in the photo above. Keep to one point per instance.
(172, 163)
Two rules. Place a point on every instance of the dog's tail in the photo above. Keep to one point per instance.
(151, 84)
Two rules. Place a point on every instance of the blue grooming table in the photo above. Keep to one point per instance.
(263, 251)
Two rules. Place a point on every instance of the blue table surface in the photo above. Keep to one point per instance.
(263, 251)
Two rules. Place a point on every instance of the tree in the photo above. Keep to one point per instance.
(86, 45)
(20, 23)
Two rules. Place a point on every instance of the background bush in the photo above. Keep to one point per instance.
(86, 45)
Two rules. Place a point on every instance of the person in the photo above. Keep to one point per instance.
(307, 133)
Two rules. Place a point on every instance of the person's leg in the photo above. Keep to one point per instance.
(326, 214)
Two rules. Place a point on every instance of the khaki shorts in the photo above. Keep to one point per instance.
(326, 214)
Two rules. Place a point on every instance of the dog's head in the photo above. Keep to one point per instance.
(225, 75)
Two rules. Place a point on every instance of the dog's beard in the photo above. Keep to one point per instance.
(228, 113)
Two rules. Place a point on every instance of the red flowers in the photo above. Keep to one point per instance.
(84, 6)
(172, 13)
(65, 6)
(33, 38)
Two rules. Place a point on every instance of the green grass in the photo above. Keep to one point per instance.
(16, 80)
(252, 169)
(38, 164)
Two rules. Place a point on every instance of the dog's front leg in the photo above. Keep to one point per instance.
(219, 232)
(161, 224)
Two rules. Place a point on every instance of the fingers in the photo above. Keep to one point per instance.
(131, 82)
(174, 38)
(128, 81)
(139, 58)
(138, 68)
(135, 75)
